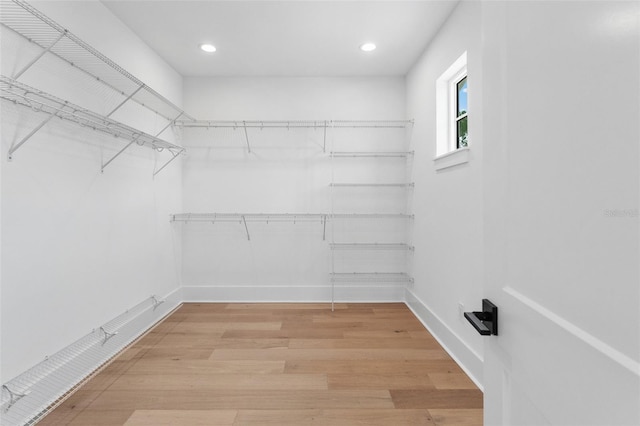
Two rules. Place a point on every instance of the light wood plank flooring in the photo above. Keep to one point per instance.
(279, 364)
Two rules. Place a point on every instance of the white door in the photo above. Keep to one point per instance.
(561, 120)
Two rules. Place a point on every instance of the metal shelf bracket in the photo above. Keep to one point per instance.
(16, 146)
(246, 136)
(34, 60)
(174, 155)
(324, 227)
(246, 228)
(117, 155)
(156, 302)
(13, 397)
(125, 101)
(107, 335)
(171, 123)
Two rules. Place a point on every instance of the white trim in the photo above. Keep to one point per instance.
(452, 158)
(597, 344)
(471, 362)
(445, 105)
(453, 118)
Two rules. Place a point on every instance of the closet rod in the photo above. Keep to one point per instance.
(39, 101)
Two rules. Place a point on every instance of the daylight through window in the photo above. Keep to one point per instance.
(462, 132)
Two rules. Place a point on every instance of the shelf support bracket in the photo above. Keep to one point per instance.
(34, 60)
(107, 335)
(156, 302)
(15, 147)
(324, 227)
(246, 136)
(324, 139)
(14, 397)
(125, 101)
(174, 155)
(116, 156)
(246, 228)
(171, 123)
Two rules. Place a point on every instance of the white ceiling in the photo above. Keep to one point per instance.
(285, 38)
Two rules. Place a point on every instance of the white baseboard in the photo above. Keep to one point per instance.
(300, 294)
(469, 360)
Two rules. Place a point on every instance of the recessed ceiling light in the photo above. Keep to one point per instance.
(368, 47)
(209, 48)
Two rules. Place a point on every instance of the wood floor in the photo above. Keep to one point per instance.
(279, 364)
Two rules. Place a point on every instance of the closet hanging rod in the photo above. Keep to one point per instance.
(39, 101)
(292, 124)
(28, 22)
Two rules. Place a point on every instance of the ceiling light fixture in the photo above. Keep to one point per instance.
(368, 47)
(209, 48)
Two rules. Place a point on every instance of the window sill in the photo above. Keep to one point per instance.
(451, 159)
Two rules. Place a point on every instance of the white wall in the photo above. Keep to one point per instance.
(80, 247)
(448, 235)
(286, 172)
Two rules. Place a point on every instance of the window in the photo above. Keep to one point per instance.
(462, 132)
(452, 109)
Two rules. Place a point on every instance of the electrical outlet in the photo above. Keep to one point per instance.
(461, 309)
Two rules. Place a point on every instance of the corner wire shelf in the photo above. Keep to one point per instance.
(371, 246)
(244, 218)
(28, 397)
(41, 102)
(292, 124)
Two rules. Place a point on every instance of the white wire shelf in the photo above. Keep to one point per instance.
(244, 218)
(41, 102)
(372, 185)
(371, 277)
(292, 124)
(372, 246)
(249, 217)
(372, 154)
(323, 125)
(52, 38)
(28, 397)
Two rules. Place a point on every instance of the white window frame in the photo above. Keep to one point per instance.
(453, 117)
(446, 116)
